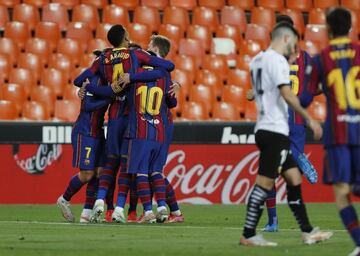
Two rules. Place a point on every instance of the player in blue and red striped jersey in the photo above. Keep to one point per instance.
(337, 68)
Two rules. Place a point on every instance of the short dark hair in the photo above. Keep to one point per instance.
(116, 35)
(339, 21)
(163, 43)
(284, 18)
(285, 25)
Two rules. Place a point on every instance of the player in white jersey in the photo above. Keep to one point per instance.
(271, 85)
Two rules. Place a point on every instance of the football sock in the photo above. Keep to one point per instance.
(143, 190)
(170, 197)
(91, 190)
(107, 177)
(123, 188)
(110, 193)
(158, 188)
(133, 195)
(254, 210)
(298, 208)
(271, 206)
(74, 186)
(349, 218)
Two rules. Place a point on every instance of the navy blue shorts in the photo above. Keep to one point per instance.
(141, 156)
(88, 152)
(341, 164)
(115, 133)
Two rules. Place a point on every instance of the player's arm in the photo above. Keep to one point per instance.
(315, 76)
(87, 73)
(100, 91)
(92, 103)
(146, 59)
(250, 95)
(146, 76)
(171, 101)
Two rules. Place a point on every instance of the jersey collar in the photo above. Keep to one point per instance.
(340, 40)
(120, 48)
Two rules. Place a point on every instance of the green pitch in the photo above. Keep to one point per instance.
(208, 230)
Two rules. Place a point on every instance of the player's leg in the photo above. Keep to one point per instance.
(123, 188)
(175, 213)
(144, 193)
(272, 225)
(132, 215)
(91, 190)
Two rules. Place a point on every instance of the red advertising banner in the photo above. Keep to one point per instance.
(200, 174)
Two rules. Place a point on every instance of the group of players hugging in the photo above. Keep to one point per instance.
(135, 87)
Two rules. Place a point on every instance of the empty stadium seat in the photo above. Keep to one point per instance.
(8, 110)
(17, 31)
(211, 79)
(70, 92)
(215, 4)
(275, 5)
(232, 32)
(202, 33)
(176, 16)
(62, 62)
(250, 47)
(87, 14)
(26, 13)
(69, 4)
(301, 5)
(10, 48)
(192, 47)
(224, 111)
(239, 77)
(97, 44)
(5, 67)
(44, 95)
(102, 30)
(15, 93)
(56, 13)
(139, 33)
(77, 71)
(129, 4)
(10, 3)
(185, 81)
(87, 60)
(159, 4)
(71, 48)
(297, 18)
(259, 33)
(224, 46)
(203, 94)
(114, 14)
(50, 32)
(4, 17)
(186, 63)
(97, 3)
(243, 4)
(80, 32)
(250, 111)
(317, 16)
(264, 17)
(243, 62)
(149, 16)
(35, 111)
(205, 16)
(172, 32)
(32, 62)
(351, 4)
(186, 4)
(193, 111)
(235, 95)
(216, 63)
(40, 47)
(55, 79)
(317, 34)
(66, 110)
(235, 16)
(37, 3)
(324, 4)
(23, 77)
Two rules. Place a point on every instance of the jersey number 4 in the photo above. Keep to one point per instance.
(150, 99)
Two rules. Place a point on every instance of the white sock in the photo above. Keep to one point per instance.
(86, 212)
(176, 213)
(148, 212)
(161, 208)
(118, 208)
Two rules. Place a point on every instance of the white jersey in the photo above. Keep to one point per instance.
(269, 70)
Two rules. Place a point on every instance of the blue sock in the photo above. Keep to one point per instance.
(74, 186)
(91, 190)
(271, 206)
(349, 218)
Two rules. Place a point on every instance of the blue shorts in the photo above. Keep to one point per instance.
(115, 133)
(166, 145)
(341, 164)
(88, 152)
(297, 138)
(141, 156)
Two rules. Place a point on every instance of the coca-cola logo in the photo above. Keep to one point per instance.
(215, 183)
(44, 156)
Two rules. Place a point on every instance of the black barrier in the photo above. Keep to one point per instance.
(184, 133)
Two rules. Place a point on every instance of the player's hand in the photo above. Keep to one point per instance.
(124, 79)
(174, 89)
(250, 95)
(116, 86)
(316, 128)
(81, 93)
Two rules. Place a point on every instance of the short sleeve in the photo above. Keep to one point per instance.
(281, 72)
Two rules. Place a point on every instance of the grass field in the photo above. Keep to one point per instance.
(208, 230)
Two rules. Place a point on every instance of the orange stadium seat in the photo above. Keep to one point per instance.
(5, 67)
(235, 16)
(70, 92)
(297, 18)
(18, 31)
(172, 32)
(114, 14)
(87, 14)
(26, 13)
(226, 47)
(129, 4)
(50, 32)
(250, 47)
(97, 3)
(192, 47)
(250, 111)
(40, 47)
(71, 48)
(4, 17)
(35, 111)
(235, 95)
(32, 62)
(232, 32)
(351, 4)
(56, 13)
(354, 19)
(37, 3)
(354, 34)
(301, 5)
(80, 32)
(174, 47)
(324, 4)
(316, 33)
(239, 78)
(149, 16)
(23, 77)
(317, 16)
(259, 33)
(10, 3)
(8, 110)
(205, 16)
(203, 94)
(102, 30)
(216, 4)
(202, 33)
(176, 16)
(243, 62)
(180, 102)
(216, 63)
(186, 4)
(15, 93)
(224, 111)
(194, 111)
(159, 4)
(181, 77)
(97, 44)
(310, 47)
(75, 72)
(44, 95)
(67, 110)
(275, 5)
(186, 63)
(69, 4)
(140, 34)
(62, 62)
(317, 110)
(264, 17)
(10, 48)
(243, 4)
(211, 79)
(87, 60)
(54, 79)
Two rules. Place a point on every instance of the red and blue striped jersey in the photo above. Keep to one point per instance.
(148, 115)
(337, 68)
(299, 77)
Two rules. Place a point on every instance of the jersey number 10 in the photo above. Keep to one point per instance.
(150, 99)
